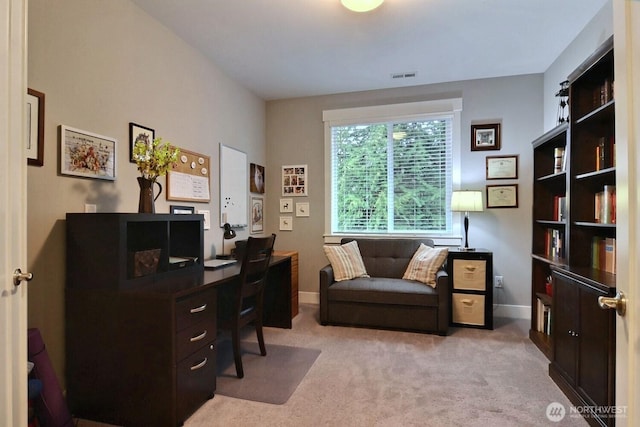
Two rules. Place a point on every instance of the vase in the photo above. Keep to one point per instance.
(147, 201)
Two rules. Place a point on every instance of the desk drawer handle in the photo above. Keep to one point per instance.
(198, 337)
(470, 268)
(199, 365)
(203, 307)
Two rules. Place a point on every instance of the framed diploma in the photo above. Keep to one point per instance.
(502, 167)
(502, 196)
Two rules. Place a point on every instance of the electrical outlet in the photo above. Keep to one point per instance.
(499, 281)
(90, 208)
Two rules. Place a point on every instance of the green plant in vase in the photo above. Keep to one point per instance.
(154, 159)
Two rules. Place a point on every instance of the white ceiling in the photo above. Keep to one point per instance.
(292, 48)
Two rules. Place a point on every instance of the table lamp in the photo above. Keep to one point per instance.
(228, 234)
(466, 201)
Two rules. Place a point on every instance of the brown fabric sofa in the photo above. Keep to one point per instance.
(385, 300)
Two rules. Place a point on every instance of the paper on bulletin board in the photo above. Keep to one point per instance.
(189, 179)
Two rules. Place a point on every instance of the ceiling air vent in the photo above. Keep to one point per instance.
(403, 75)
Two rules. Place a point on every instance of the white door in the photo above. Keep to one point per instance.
(13, 204)
(626, 16)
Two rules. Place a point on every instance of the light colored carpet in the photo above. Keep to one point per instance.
(270, 379)
(367, 377)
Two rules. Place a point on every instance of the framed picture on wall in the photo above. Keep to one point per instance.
(257, 215)
(86, 154)
(502, 167)
(485, 137)
(294, 180)
(256, 178)
(139, 133)
(35, 128)
(502, 196)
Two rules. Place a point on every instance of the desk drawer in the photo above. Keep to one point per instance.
(469, 274)
(194, 337)
(468, 309)
(195, 308)
(195, 381)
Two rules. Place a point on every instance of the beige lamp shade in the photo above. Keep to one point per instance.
(361, 5)
(466, 201)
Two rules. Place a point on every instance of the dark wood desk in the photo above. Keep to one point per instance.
(147, 356)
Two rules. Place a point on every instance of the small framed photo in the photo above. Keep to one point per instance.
(35, 128)
(485, 137)
(302, 209)
(286, 223)
(181, 210)
(256, 178)
(286, 205)
(294, 180)
(139, 133)
(502, 167)
(86, 154)
(502, 196)
(257, 215)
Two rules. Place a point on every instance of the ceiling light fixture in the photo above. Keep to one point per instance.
(361, 5)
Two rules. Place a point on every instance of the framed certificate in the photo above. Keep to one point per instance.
(502, 167)
(502, 196)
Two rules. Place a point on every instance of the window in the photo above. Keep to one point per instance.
(390, 173)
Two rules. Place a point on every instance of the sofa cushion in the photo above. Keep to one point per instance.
(425, 263)
(379, 290)
(346, 261)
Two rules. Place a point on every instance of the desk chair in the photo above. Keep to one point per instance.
(249, 294)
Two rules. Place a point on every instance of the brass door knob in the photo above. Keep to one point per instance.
(619, 303)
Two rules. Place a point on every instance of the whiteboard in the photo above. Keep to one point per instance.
(234, 183)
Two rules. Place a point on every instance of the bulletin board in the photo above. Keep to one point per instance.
(189, 178)
(234, 184)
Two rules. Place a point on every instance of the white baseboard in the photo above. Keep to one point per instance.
(309, 298)
(510, 311)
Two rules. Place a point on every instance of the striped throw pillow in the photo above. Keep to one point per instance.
(425, 263)
(346, 261)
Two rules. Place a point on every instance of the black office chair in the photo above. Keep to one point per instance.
(249, 295)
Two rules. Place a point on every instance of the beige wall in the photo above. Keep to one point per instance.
(101, 65)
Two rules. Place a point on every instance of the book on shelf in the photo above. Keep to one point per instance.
(554, 243)
(543, 320)
(603, 254)
(605, 205)
(603, 93)
(605, 153)
(559, 208)
(559, 161)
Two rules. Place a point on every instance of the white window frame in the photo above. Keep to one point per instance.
(386, 113)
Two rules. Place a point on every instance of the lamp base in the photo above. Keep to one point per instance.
(462, 248)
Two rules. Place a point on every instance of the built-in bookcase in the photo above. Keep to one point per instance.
(574, 238)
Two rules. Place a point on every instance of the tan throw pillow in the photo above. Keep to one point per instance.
(346, 261)
(425, 263)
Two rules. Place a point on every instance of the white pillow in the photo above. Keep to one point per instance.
(425, 263)
(346, 261)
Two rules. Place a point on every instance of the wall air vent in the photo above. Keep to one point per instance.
(403, 75)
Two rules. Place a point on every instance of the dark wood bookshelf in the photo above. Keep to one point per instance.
(581, 343)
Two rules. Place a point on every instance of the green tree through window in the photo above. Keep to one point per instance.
(392, 177)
